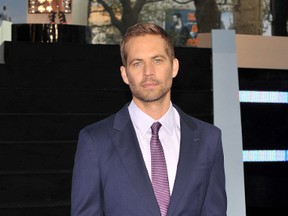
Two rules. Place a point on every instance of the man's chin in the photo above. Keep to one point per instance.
(150, 98)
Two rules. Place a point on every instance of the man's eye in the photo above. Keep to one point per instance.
(137, 64)
(158, 60)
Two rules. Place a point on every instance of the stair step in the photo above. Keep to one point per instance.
(36, 156)
(34, 126)
(35, 187)
(51, 100)
(30, 210)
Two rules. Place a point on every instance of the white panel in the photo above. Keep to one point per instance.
(227, 116)
(5, 35)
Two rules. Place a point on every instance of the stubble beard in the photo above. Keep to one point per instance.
(150, 95)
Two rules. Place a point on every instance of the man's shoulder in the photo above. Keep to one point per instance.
(196, 123)
(202, 123)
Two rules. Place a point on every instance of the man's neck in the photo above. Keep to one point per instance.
(154, 109)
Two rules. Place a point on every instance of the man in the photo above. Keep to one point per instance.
(4, 14)
(114, 172)
(179, 32)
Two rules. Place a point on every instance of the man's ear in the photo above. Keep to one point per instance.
(175, 68)
(124, 75)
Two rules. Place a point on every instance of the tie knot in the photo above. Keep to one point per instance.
(155, 128)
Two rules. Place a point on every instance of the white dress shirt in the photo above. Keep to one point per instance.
(169, 135)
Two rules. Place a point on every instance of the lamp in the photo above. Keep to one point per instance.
(44, 6)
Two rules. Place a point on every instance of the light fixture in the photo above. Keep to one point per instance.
(44, 6)
(49, 8)
(41, 9)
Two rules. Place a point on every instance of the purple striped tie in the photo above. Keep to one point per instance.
(159, 171)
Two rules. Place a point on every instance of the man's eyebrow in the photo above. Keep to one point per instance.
(159, 56)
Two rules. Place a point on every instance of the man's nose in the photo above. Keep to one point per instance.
(148, 69)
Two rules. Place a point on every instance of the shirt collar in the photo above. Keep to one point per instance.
(143, 121)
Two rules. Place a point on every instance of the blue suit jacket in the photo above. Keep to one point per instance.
(110, 177)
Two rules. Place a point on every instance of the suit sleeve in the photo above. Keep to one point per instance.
(216, 200)
(86, 198)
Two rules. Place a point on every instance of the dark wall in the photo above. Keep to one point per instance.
(48, 93)
(264, 127)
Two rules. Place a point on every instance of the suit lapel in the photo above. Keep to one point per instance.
(126, 142)
(189, 145)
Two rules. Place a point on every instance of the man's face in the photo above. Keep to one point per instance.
(149, 70)
(175, 19)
